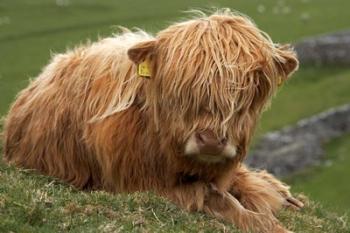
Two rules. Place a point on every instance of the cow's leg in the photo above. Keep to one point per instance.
(261, 192)
(222, 204)
(281, 188)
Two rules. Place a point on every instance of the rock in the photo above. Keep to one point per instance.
(296, 147)
(333, 49)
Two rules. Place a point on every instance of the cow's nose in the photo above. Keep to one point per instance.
(209, 143)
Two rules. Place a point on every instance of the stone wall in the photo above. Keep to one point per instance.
(296, 147)
(327, 49)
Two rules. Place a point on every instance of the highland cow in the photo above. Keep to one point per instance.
(173, 114)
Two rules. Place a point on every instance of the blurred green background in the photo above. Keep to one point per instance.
(32, 30)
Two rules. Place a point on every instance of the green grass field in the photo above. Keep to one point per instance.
(30, 31)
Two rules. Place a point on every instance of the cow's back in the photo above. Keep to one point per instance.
(45, 127)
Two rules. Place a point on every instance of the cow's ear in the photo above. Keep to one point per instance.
(286, 61)
(142, 51)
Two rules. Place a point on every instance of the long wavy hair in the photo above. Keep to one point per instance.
(214, 72)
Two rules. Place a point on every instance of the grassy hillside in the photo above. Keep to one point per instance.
(31, 30)
(34, 203)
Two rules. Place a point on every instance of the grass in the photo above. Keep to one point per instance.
(327, 183)
(31, 30)
(33, 203)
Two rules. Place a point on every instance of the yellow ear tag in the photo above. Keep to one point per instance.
(144, 69)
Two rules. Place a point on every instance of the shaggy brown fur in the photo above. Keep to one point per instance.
(89, 120)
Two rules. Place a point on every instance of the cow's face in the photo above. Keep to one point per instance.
(211, 78)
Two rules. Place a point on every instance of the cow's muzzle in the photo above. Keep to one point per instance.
(207, 147)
